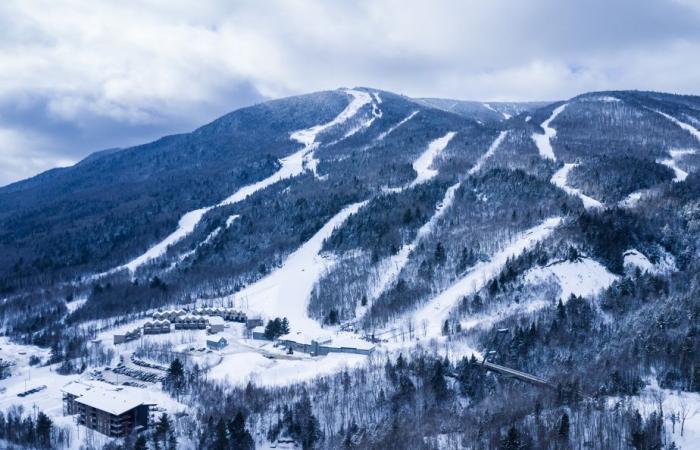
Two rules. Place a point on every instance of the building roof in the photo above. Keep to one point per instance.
(110, 399)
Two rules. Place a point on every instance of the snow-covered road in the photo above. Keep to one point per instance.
(544, 141)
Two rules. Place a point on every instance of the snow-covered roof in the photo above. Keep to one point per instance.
(306, 337)
(109, 399)
(350, 341)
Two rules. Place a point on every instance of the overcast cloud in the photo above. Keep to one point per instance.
(80, 76)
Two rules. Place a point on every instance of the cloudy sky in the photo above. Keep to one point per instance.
(80, 76)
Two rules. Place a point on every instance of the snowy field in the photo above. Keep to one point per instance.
(583, 277)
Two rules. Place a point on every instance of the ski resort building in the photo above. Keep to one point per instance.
(105, 408)
(190, 322)
(323, 345)
(156, 327)
(128, 336)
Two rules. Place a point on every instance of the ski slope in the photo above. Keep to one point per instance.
(559, 179)
(544, 141)
(436, 310)
(393, 128)
(583, 277)
(285, 292)
(290, 166)
(423, 164)
(686, 126)
(672, 163)
(491, 150)
(390, 268)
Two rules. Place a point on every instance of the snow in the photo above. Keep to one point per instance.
(376, 114)
(543, 141)
(307, 136)
(583, 277)
(425, 160)
(436, 310)
(559, 179)
(50, 400)
(75, 304)
(672, 163)
(491, 150)
(377, 98)
(185, 226)
(687, 127)
(285, 292)
(634, 259)
(239, 368)
(673, 402)
(392, 129)
(290, 166)
(390, 268)
(633, 199)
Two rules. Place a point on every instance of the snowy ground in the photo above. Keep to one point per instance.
(285, 292)
(50, 400)
(491, 150)
(543, 141)
(672, 163)
(390, 268)
(634, 259)
(583, 277)
(560, 179)
(393, 128)
(673, 403)
(423, 164)
(686, 126)
(432, 315)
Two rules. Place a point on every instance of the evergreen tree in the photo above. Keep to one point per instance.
(44, 426)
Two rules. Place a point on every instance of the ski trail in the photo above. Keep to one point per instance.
(390, 268)
(544, 141)
(506, 116)
(559, 179)
(492, 149)
(376, 114)
(392, 129)
(210, 237)
(672, 163)
(290, 166)
(687, 127)
(433, 314)
(425, 160)
(285, 292)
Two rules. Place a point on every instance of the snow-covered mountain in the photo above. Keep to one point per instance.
(422, 225)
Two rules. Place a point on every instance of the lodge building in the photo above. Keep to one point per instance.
(106, 409)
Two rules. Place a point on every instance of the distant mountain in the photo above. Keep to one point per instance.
(219, 207)
(528, 274)
(484, 112)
